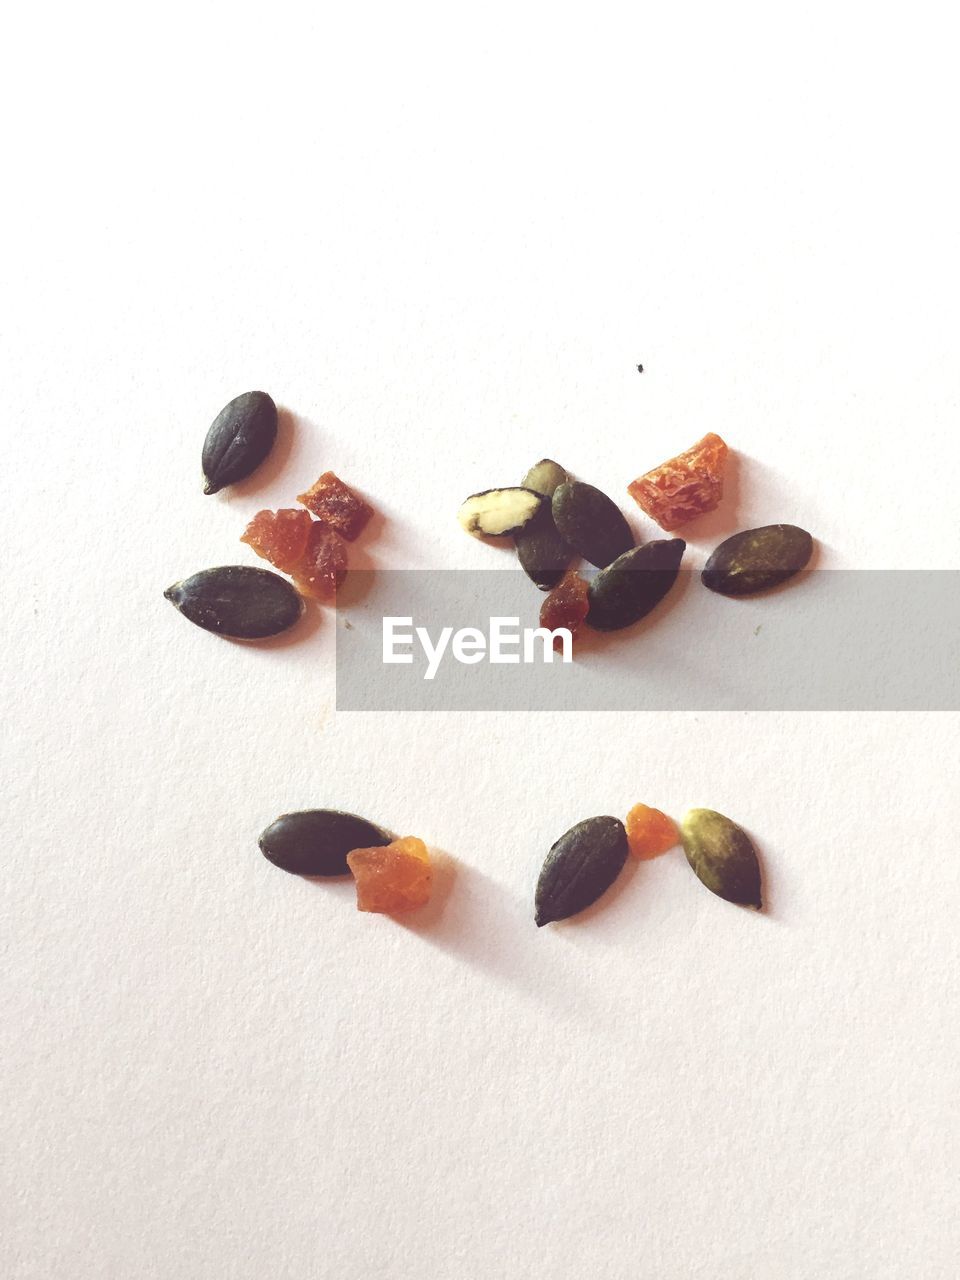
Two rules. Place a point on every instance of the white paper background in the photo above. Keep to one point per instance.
(443, 240)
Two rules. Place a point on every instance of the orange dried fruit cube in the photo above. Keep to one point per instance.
(323, 566)
(650, 832)
(687, 486)
(566, 606)
(392, 878)
(279, 536)
(337, 505)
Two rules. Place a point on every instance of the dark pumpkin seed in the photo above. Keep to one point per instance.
(634, 584)
(240, 438)
(722, 856)
(315, 842)
(543, 554)
(591, 523)
(545, 476)
(238, 601)
(581, 866)
(496, 512)
(757, 559)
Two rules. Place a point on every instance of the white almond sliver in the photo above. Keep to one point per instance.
(497, 512)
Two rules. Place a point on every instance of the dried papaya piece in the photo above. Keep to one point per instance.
(687, 486)
(395, 877)
(650, 832)
(323, 566)
(337, 506)
(279, 536)
(566, 606)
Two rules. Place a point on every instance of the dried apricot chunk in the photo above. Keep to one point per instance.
(650, 832)
(279, 536)
(337, 505)
(323, 566)
(687, 486)
(566, 606)
(394, 877)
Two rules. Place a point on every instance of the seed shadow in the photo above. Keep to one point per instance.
(339, 883)
(356, 586)
(588, 641)
(273, 465)
(470, 925)
(768, 886)
(632, 905)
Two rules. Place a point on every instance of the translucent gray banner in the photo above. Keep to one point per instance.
(852, 640)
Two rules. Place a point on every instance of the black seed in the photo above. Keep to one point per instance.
(591, 523)
(238, 601)
(722, 856)
(240, 438)
(543, 554)
(757, 559)
(581, 866)
(315, 842)
(634, 584)
(545, 476)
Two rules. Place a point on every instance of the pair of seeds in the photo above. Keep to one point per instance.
(392, 875)
(588, 858)
(247, 603)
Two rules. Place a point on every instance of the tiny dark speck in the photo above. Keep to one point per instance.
(348, 625)
(639, 368)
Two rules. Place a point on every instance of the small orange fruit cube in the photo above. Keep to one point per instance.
(393, 878)
(650, 832)
(279, 536)
(684, 487)
(337, 505)
(323, 566)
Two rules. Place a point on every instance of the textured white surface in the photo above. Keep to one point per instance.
(444, 243)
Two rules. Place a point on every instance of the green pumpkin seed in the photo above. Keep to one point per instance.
(239, 440)
(757, 559)
(238, 601)
(591, 523)
(545, 476)
(634, 584)
(315, 842)
(497, 512)
(581, 866)
(722, 856)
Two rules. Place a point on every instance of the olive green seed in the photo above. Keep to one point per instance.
(722, 856)
(757, 559)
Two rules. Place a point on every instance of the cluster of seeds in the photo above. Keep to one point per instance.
(251, 604)
(392, 875)
(555, 520)
(587, 859)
